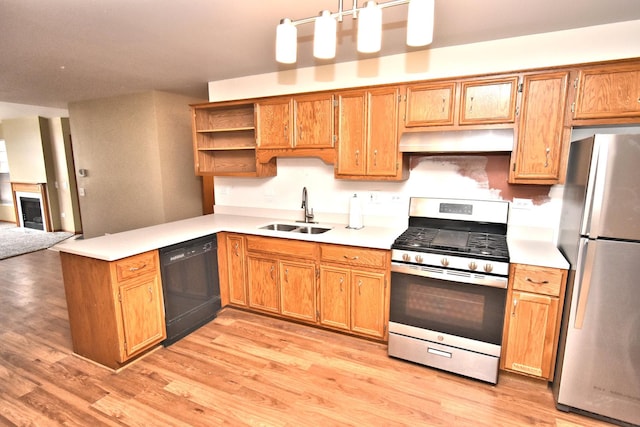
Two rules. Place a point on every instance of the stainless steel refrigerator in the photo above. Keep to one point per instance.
(598, 368)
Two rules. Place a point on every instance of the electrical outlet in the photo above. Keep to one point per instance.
(521, 203)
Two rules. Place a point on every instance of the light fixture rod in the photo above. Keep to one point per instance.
(354, 11)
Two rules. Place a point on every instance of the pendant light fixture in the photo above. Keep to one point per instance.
(419, 28)
(370, 28)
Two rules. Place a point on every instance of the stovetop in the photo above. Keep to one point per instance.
(454, 242)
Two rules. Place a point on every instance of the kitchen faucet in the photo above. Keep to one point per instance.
(308, 214)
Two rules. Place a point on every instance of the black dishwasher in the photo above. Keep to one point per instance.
(190, 285)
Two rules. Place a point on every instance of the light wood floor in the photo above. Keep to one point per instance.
(241, 369)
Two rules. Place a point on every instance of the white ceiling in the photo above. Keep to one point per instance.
(56, 52)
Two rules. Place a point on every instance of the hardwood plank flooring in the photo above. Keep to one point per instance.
(240, 369)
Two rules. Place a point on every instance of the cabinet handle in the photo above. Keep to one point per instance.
(471, 104)
(300, 132)
(544, 282)
(286, 137)
(353, 258)
(272, 271)
(357, 157)
(132, 269)
(359, 287)
(150, 294)
(444, 100)
(286, 275)
(341, 282)
(375, 157)
(546, 160)
(513, 311)
(236, 247)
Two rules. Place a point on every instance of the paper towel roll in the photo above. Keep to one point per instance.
(355, 213)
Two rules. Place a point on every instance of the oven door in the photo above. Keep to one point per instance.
(454, 308)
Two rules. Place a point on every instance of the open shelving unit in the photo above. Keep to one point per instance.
(224, 141)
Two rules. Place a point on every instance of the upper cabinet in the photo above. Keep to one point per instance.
(430, 104)
(608, 92)
(541, 135)
(463, 102)
(367, 125)
(292, 125)
(488, 101)
(224, 141)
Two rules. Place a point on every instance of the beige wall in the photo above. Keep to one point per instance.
(25, 153)
(131, 181)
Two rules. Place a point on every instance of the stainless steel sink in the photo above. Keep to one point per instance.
(280, 227)
(305, 229)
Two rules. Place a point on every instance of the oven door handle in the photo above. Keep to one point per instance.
(450, 275)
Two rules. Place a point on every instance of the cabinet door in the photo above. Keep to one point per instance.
(142, 311)
(314, 121)
(608, 92)
(488, 101)
(541, 129)
(382, 132)
(274, 124)
(531, 334)
(334, 297)
(351, 133)
(236, 268)
(368, 303)
(262, 278)
(298, 290)
(430, 104)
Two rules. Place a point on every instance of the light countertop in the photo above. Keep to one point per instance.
(116, 246)
(536, 252)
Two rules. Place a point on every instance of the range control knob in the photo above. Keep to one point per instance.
(472, 266)
(488, 268)
(419, 259)
(406, 257)
(444, 262)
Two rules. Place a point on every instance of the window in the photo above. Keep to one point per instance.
(5, 183)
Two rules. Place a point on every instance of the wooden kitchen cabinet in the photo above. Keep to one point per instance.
(538, 155)
(232, 269)
(116, 309)
(368, 135)
(224, 141)
(532, 321)
(298, 290)
(354, 295)
(488, 101)
(298, 125)
(608, 92)
(262, 278)
(430, 104)
(281, 276)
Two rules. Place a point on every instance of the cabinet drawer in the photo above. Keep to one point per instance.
(137, 265)
(536, 279)
(354, 256)
(286, 247)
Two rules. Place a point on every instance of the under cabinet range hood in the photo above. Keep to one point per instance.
(459, 141)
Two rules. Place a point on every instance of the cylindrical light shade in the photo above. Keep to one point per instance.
(420, 22)
(286, 42)
(324, 36)
(370, 28)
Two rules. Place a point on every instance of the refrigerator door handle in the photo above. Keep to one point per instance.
(591, 224)
(583, 281)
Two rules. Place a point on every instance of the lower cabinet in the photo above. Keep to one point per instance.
(354, 294)
(116, 309)
(334, 286)
(532, 320)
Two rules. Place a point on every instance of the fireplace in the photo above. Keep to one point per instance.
(31, 208)
(31, 215)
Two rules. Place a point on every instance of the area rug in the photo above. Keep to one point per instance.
(17, 240)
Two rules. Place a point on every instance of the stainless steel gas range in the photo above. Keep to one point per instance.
(449, 275)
